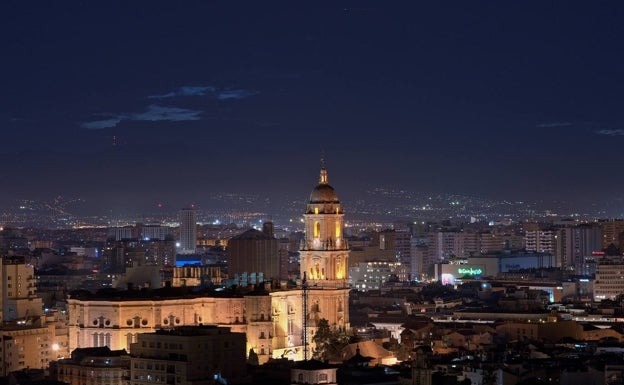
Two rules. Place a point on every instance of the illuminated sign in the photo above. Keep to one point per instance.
(469, 271)
(448, 279)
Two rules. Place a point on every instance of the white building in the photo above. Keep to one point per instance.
(609, 281)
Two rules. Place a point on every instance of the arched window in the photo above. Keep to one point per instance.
(317, 229)
(340, 270)
(338, 230)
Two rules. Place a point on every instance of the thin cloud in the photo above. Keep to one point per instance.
(210, 91)
(153, 113)
(156, 113)
(554, 124)
(186, 91)
(235, 94)
(100, 124)
(616, 132)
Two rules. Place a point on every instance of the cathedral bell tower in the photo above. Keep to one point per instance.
(324, 289)
(324, 251)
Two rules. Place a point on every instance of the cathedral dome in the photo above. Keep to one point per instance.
(324, 193)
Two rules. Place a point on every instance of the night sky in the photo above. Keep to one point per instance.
(127, 104)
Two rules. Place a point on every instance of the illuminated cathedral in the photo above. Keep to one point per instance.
(275, 322)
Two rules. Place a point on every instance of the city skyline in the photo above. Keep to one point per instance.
(131, 106)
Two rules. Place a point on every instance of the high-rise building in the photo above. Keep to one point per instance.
(121, 233)
(538, 238)
(576, 243)
(443, 245)
(611, 231)
(420, 264)
(397, 240)
(188, 231)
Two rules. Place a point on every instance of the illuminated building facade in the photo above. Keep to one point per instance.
(325, 256)
(19, 297)
(490, 266)
(273, 319)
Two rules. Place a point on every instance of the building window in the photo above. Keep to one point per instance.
(317, 229)
(291, 326)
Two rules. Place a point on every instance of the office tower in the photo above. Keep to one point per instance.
(188, 231)
(576, 243)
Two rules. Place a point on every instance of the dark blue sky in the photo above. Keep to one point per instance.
(130, 103)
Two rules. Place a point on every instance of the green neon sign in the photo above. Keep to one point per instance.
(469, 271)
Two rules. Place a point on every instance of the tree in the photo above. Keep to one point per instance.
(328, 342)
(253, 358)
